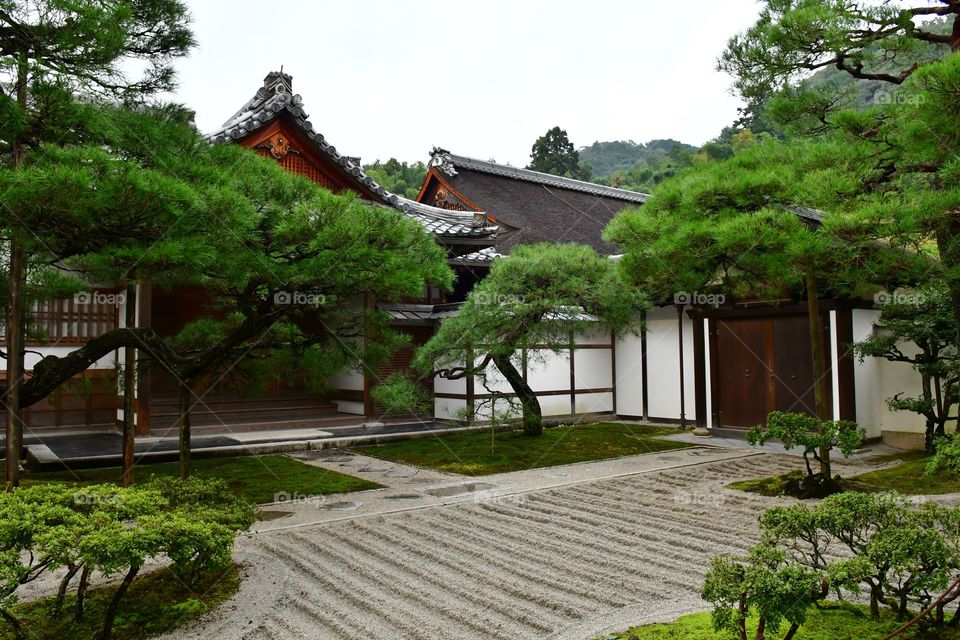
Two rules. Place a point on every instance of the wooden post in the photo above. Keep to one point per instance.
(129, 388)
(644, 395)
(144, 300)
(699, 369)
(183, 418)
(683, 397)
(819, 365)
(14, 346)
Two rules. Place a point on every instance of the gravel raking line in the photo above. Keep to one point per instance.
(561, 563)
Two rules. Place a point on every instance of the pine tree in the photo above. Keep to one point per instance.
(50, 52)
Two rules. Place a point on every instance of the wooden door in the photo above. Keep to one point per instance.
(793, 365)
(762, 364)
(742, 391)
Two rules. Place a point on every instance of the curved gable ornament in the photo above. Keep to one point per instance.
(440, 158)
(278, 146)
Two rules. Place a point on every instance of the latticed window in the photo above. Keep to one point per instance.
(73, 320)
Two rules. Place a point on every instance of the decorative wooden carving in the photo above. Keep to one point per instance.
(278, 146)
(443, 200)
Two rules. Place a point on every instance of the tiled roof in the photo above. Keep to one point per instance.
(419, 313)
(548, 209)
(483, 257)
(444, 222)
(449, 163)
(276, 97)
(423, 313)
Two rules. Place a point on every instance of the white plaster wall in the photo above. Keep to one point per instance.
(594, 402)
(629, 380)
(555, 405)
(106, 362)
(876, 380)
(548, 371)
(349, 379)
(494, 379)
(594, 335)
(663, 364)
(445, 385)
(350, 406)
(448, 408)
(593, 368)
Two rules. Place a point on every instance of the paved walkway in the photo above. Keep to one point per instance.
(104, 449)
(566, 552)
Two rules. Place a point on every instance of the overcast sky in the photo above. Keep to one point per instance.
(393, 78)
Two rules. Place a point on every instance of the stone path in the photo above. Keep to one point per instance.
(413, 488)
(566, 552)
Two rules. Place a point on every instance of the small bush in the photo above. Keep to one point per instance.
(946, 455)
(114, 531)
(814, 437)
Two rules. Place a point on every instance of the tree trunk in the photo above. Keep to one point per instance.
(64, 585)
(875, 600)
(129, 388)
(82, 593)
(792, 631)
(930, 422)
(532, 415)
(948, 246)
(15, 623)
(761, 630)
(14, 322)
(819, 368)
(14, 347)
(183, 419)
(111, 612)
(742, 618)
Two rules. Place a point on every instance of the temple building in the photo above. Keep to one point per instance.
(720, 367)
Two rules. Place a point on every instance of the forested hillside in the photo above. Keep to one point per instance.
(607, 158)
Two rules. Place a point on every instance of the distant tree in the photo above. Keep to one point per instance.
(554, 153)
(398, 177)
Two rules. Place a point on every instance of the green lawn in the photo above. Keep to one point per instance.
(844, 623)
(257, 478)
(473, 454)
(906, 478)
(155, 604)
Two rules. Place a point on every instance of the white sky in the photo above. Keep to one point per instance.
(392, 78)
